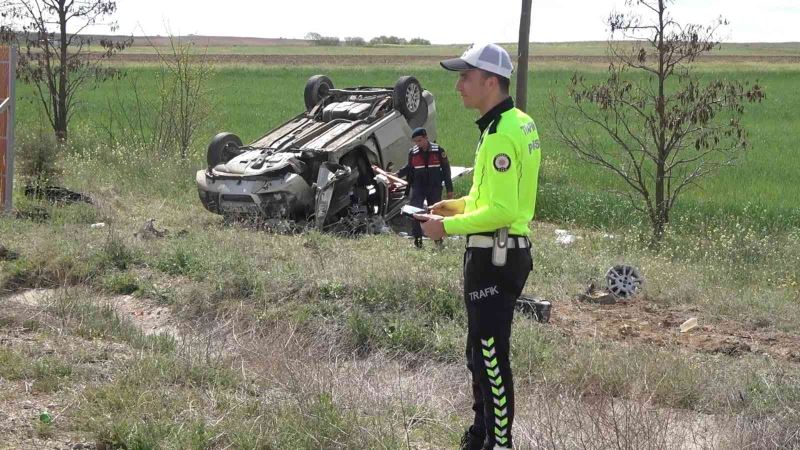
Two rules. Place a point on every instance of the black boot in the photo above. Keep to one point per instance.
(471, 440)
(418, 242)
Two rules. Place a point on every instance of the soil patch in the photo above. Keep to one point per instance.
(637, 321)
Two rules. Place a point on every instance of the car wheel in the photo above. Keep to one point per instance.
(222, 148)
(317, 88)
(408, 96)
(419, 119)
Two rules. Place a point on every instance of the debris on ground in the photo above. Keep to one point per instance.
(595, 294)
(535, 307)
(623, 280)
(628, 330)
(565, 238)
(6, 254)
(689, 325)
(33, 213)
(97, 225)
(56, 194)
(149, 231)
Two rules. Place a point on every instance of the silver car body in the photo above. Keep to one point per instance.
(320, 162)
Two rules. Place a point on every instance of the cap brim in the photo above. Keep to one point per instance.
(456, 64)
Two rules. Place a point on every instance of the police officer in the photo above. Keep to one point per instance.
(426, 170)
(494, 216)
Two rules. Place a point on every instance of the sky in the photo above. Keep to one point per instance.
(440, 21)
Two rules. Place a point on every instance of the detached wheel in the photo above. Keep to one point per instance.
(317, 88)
(623, 281)
(222, 148)
(408, 96)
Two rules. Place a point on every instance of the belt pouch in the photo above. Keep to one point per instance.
(500, 247)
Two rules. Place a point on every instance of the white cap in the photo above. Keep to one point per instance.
(489, 57)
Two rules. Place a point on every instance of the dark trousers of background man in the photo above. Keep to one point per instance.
(490, 294)
(419, 196)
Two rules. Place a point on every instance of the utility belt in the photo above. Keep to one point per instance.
(499, 242)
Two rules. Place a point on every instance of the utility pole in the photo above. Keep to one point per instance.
(522, 55)
(8, 73)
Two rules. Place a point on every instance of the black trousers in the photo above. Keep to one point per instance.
(419, 194)
(490, 294)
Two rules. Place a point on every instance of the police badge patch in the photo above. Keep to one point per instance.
(502, 162)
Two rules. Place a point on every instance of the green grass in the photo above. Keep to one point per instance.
(325, 313)
(330, 289)
(48, 374)
(761, 189)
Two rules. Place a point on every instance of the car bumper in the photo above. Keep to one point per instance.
(271, 198)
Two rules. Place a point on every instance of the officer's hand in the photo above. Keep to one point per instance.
(450, 195)
(432, 225)
(447, 208)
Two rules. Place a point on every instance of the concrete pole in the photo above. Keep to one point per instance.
(522, 55)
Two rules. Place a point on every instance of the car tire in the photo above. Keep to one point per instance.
(408, 97)
(317, 88)
(420, 117)
(222, 148)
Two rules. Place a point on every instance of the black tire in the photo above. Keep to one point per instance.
(408, 96)
(420, 117)
(222, 148)
(317, 88)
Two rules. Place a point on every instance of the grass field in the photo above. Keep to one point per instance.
(593, 48)
(219, 336)
(762, 188)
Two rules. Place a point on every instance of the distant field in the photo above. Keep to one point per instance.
(251, 100)
(565, 55)
(254, 46)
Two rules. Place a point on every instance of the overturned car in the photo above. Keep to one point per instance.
(331, 162)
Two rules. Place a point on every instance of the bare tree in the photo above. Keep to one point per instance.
(667, 128)
(167, 122)
(184, 93)
(59, 63)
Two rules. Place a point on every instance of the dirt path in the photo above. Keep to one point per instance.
(635, 321)
(146, 315)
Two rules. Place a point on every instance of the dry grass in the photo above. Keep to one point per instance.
(314, 341)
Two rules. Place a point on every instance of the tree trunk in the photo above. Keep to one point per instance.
(60, 111)
(661, 175)
(522, 57)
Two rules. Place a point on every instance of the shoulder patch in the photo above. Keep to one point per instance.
(444, 154)
(502, 162)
